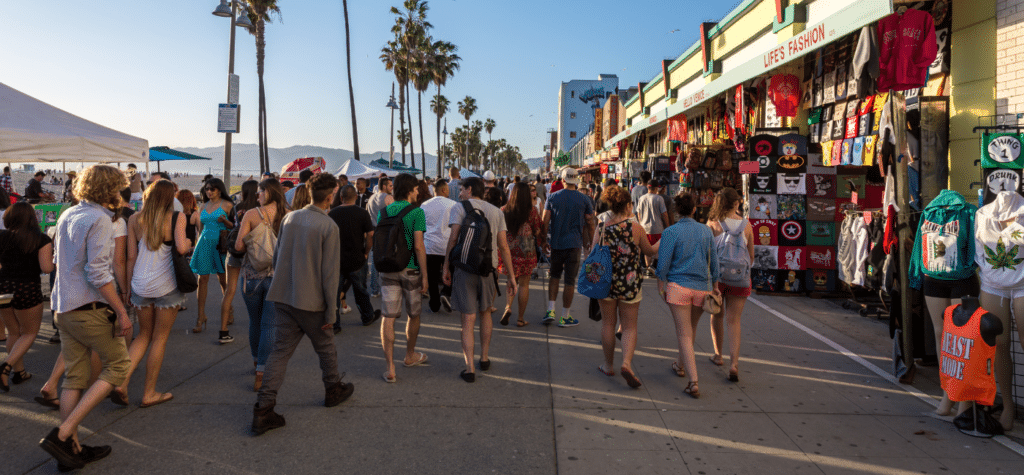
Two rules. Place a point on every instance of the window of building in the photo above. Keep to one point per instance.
(572, 135)
(572, 115)
(572, 93)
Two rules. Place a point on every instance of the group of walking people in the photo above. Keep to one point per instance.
(446, 241)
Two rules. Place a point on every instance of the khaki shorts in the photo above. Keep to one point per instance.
(88, 330)
(395, 287)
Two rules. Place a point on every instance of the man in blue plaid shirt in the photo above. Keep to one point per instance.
(6, 182)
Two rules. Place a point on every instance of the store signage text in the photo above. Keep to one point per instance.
(693, 98)
(796, 45)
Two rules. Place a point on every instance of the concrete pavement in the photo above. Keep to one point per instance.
(801, 406)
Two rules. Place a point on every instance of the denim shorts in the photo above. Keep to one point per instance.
(172, 299)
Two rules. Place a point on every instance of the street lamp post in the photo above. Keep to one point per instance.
(223, 10)
(391, 105)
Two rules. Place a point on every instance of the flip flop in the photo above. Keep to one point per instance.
(389, 378)
(163, 398)
(606, 373)
(51, 403)
(419, 361)
(522, 323)
(117, 398)
(630, 378)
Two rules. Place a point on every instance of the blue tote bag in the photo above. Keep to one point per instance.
(595, 279)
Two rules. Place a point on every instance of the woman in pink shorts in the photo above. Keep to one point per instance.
(734, 241)
(687, 272)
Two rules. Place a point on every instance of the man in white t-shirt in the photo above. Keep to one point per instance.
(652, 213)
(438, 214)
(474, 294)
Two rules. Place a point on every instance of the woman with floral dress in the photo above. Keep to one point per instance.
(522, 216)
(626, 240)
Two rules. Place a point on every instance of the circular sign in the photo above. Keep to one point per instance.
(792, 230)
(763, 147)
(1004, 149)
(764, 161)
(1002, 180)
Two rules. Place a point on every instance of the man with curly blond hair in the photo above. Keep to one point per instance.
(89, 314)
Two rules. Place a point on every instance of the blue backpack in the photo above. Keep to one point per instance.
(595, 279)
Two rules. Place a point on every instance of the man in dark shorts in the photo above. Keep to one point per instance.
(569, 218)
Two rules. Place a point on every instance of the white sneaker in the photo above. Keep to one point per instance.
(346, 309)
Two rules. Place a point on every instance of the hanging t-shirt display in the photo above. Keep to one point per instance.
(766, 257)
(821, 209)
(1001, 150)
(820, 280)
(791, 233)
(763, 207)
(764, 280)
(791, 183)
(764, 231)
(857, 155)
(821, 186)
(821, 257)
(821, 233)
(791, 207)
(847, 152)
(792, 257)
(784, 93)
(763, 183)
(1001, 179)
(766, 163)
(849, 184)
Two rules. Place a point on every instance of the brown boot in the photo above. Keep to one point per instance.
(264, 419)
(338, 393)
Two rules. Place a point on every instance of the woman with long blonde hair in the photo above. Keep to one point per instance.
(731, 231)
(151, 233)
(302, 197)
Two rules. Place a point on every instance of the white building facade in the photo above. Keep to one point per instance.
(576, 102)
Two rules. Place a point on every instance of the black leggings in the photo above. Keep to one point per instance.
(435, 270)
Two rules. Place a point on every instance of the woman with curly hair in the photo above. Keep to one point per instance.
(151, 234)
(214, 217)
(627, 241)
(25, 252)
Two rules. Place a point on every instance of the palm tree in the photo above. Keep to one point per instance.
(260, 12)
(410, 28)
(421, 81)
(443, 64)
(392, 55)
(489, 127)
(351, 94)
(404, 136)
(467, 107)
(439, 106)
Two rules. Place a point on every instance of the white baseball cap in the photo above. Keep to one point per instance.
(488, 175)
(570, 176)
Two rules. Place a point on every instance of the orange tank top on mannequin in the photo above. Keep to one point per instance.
(966, 363)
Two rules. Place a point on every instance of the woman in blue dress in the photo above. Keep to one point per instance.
(214, 217)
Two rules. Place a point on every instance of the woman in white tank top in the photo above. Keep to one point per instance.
(725, 210)
(151, 233)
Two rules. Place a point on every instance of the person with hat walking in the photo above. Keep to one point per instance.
(569, 219)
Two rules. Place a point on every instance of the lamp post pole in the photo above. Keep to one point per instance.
(391, 105)
(231, 70)
(444, 142)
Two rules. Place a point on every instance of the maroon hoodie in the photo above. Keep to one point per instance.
(907, 48)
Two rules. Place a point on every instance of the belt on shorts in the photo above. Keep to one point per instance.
(92, 306)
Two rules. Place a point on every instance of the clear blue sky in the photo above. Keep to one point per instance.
(157, 70)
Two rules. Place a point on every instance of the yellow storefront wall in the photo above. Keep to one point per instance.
(973, 91)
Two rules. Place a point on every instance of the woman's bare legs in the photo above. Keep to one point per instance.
(23, 326)
(139, 345)
(523, 283)
(682, 315)
(609, 316)
(229, 285)
(730, 315)
(627, 320)
(163, 323)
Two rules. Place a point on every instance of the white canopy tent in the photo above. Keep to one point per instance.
(33, 131)
(355, 169)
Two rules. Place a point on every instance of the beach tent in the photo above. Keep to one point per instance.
(163, 154)
(465, 173)
(290, 172)
(33, 131)
(399, 166)
(354, 169)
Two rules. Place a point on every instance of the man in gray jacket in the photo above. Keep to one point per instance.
(305, 294)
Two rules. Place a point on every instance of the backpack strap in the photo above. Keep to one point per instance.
(466, 205)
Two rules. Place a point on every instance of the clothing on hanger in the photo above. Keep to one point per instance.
(907, 48)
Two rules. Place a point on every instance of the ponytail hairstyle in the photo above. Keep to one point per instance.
(725, 200)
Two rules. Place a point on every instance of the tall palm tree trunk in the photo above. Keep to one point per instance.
(412, 140)
(351, 94)
(439, 136)
(261, 45)
(423, 148)
(401, 116)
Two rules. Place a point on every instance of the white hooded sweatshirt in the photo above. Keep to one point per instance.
(999, 241)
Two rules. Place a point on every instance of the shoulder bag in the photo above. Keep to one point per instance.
(260, 244)
(183, 275)
(595, 279)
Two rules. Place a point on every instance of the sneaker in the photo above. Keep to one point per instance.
(63, 451)
(568, 321)
(446, 303)
(346, 309)
(89, 454)
(549, 317)
(225, 338)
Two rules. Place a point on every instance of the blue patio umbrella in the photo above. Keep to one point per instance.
(160, 154)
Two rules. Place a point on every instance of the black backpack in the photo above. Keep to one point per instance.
(472, 252)
(391, 251)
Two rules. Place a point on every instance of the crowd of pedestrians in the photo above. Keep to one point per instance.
(121, 277)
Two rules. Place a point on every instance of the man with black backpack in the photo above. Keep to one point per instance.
(477, 240)
(401, 258)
